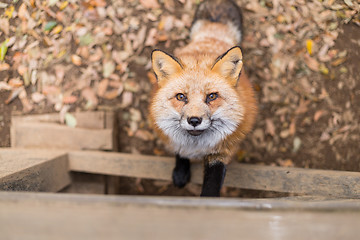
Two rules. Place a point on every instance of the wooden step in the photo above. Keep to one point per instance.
(65, 216)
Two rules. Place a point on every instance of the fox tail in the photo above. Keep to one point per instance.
(221, 11)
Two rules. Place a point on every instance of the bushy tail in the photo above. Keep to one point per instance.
(223, 11)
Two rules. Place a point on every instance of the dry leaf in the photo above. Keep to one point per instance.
(285, 163)
(127, 99)
(69, 99)
(76, 60)
(150, 4)
(318, 114)
(312, 63)
(338, 61)
(144, 135)
(23, 12)
(292, 127)
(90, 96)
(4, 66)
(102, 87)
(270, 127)
(27, 105)
(309, 46)
(14, 94)
(151, 39)
(37, 97)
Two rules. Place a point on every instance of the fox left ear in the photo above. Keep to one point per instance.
(164, 65)
(229, 65)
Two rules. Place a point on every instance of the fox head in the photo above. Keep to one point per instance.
(196, 104)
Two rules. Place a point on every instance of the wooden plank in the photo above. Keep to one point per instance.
(51, 135)
(85, 183)
(63, 216)
(121, 164)
(88, 119)
(94, 130)
(339, 184)
(33, 170)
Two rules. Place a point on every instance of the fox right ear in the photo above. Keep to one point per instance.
(164, 65)
(229, 65)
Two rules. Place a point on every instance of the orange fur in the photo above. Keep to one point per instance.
(196, 71)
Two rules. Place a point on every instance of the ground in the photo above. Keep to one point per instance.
(302, 57)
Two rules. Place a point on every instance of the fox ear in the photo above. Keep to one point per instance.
(164, 65)
(229, 65)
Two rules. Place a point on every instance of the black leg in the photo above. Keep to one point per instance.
(181, 173)
(214, 174)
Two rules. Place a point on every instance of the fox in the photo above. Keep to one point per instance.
(203, 104)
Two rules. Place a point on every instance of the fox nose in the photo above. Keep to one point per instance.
(194, 121)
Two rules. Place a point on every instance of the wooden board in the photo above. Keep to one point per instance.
(33, 170)
(338, 184)
(94, 131)
(88, 119)
(334, 184)
(63, 216)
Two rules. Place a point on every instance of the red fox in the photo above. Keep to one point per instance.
(201, 106)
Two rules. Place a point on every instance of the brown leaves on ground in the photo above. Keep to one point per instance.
(86, 54)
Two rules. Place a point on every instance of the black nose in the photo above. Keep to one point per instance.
(194, 121)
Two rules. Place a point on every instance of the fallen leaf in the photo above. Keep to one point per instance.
(15, 82)
(102, 87)
(9, 11)
(63, 5)
(127, 99)
(131, 86)
(285, 163)
(22, 70)
(144, 135)
(309, 46)
(5, 86)
(76, 60)
(284, 133)
(270, 127)
(86, 39)
(3, 50)
(338, 61)
(49, 26)
(5, 25)
(292, 127)
(325, 136)
(14, 94)
(108, 68)
(303, 107)
(296, 144)
(37, 97)
(323, 69)
(69, 99)
(4, 66)
(90, 96)
(56, 29)
(150, 4)
(70, 120)
(151, 39)
(27, 105)
(111, 94)
(312, 63)
(318, 114)
(135, 115)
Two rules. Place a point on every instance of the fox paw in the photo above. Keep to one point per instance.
(181, 177)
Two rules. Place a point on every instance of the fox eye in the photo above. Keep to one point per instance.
(211, 97)
(181, 97)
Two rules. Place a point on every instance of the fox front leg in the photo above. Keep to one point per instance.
(214, 174)
(181, 173)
